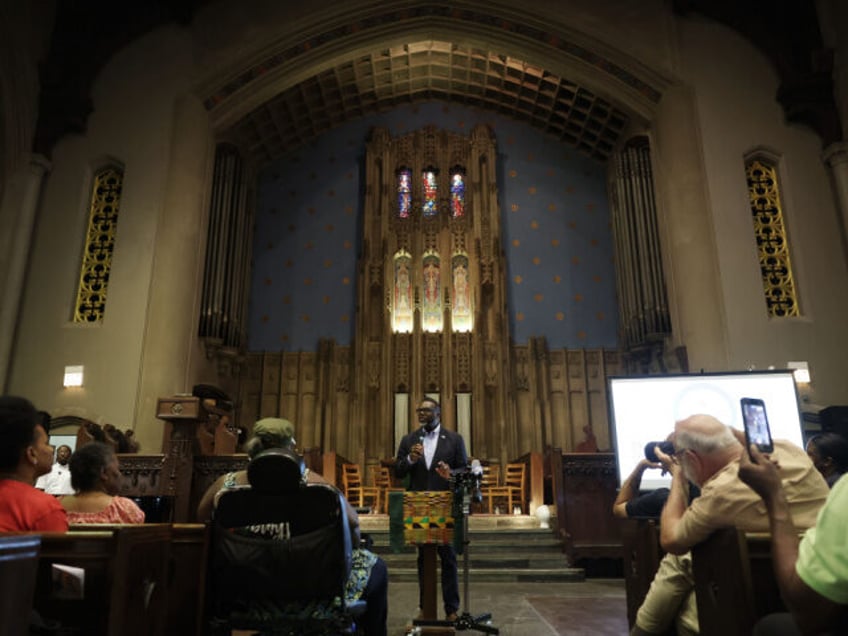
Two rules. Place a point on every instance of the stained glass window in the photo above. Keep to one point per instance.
(404, 192)
(457, 200)
(431, 309)
(431, 190)
(461, 307)
(402, 294)
(772, 240)
(100, 241)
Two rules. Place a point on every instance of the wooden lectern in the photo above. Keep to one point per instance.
(188, 417)
(428, 523)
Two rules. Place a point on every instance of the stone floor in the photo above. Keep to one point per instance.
(593, 607)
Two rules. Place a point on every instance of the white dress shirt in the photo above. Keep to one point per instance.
(57, 481)
(431, 439)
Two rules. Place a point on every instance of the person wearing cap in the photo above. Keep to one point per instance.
(368, 577)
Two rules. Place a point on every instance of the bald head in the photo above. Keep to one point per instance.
(703, 446)
(704, 434)
(707, 436)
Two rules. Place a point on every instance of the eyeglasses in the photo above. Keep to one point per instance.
(423, 410)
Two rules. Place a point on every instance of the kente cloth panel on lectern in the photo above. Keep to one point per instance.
(417, 518)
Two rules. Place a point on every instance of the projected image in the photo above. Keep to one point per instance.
(645, 408)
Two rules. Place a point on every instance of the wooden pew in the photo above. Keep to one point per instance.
(642, 555)
(126, 579)
(18, 568)
(734, 582)
(186, 575)
(187, 578)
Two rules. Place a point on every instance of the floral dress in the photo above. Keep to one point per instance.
(119, 510)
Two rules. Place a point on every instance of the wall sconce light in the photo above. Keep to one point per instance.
(73, 376)
(801, 371)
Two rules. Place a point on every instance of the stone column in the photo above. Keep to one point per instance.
(687, 233)
(836, 157)
(21, 198)
(170, 331)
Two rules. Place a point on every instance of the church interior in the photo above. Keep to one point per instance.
(216, 211)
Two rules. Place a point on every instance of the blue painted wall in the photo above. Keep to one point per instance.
(555, 220)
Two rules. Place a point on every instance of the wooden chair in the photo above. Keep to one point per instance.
(382, 479)
(18, 568)
(513, 490)
(491, 479)
(355, 490)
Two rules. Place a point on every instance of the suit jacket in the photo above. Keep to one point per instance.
(450, 449)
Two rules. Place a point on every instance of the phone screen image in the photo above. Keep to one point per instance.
(756, 424)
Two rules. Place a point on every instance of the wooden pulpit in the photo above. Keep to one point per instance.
(186, 414)
(428, 523)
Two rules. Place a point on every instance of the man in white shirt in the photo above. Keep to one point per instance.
(58, 480)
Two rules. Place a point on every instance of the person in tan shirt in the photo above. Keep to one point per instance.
(707, 453)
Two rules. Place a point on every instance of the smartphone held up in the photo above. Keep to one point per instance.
(756, 425)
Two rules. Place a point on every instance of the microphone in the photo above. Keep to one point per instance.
(476, 468)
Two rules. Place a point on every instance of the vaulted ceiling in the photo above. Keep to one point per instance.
(428, 70)
(424, 69)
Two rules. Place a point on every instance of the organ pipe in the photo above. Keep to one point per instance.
(227, 252)
(639, 273)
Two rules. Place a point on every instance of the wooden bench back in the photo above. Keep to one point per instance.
(18, 568)
(139, 579)
(642, 554)
(125, 585)
(734, 582)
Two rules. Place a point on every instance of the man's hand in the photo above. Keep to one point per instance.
(645, 463)
(763, 476)
(666, 462)
(444, 470)
(415, 452)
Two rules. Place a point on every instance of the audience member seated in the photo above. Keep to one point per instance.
(369, 577)
(829, 453)
(116, 438)
(707, 453)
(97, 480)
(25, 455)
(631, 503)
(58, 480)
(813, 574)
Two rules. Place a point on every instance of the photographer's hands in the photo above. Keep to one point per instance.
(667, 462)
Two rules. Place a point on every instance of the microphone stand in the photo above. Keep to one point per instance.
(466, 620)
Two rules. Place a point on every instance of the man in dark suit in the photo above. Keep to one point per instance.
(427, 455)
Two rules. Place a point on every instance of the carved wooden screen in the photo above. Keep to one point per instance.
(432, 302)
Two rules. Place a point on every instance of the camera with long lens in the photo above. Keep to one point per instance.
(650, 450)
(467, 480)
